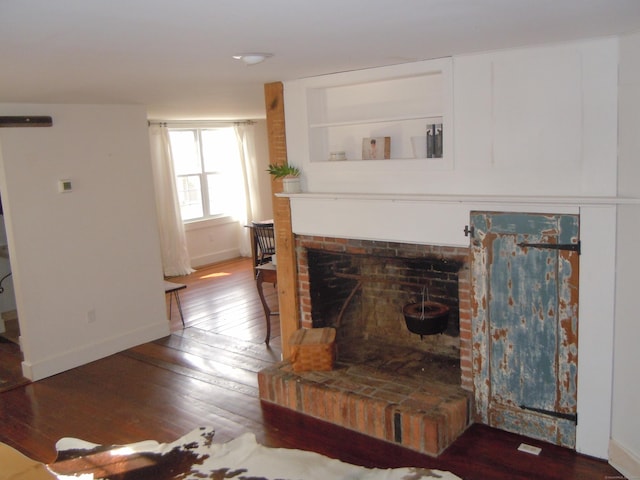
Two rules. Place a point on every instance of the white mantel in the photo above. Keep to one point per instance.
(418, 218)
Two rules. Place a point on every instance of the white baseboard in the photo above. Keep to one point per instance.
(95, 351)
(212, 258)
(623, 460)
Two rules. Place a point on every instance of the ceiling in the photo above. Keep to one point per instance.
(175, 56)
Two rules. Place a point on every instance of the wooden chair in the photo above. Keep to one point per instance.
(264, 238)
(264, 248)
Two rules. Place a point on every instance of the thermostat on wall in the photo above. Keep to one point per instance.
(64, 186)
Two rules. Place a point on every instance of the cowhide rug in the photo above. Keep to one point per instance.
(196, 457)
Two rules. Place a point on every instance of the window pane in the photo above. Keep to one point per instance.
(219, 149)
(220, 194)
(184, 148)
(208, 172)
(190, 196)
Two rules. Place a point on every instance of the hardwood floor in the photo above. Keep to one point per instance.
(205, 374)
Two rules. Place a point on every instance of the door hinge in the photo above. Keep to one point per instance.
(575, 247)
(468, 231)
(572, 417)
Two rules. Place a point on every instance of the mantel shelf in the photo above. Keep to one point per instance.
(449, 198)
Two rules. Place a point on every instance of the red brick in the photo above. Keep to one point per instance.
(343, 403)
(455, 418)
(422, 401)
(306, 396)
(361, 418)
(332, 406)
(279, 388)
(412, 430)
(293, 396)
(389, 413)
(466, 364)
(431, 436)
(264, 386)
(375, 418)
(467, 383)
(465, 334)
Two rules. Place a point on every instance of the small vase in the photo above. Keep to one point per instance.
(291, 185)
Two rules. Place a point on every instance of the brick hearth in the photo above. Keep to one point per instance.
(415, 410)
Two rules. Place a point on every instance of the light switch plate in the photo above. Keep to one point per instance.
(64, 186)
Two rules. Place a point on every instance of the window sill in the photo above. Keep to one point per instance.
(208, 223)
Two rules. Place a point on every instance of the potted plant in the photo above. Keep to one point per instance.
(289, 174)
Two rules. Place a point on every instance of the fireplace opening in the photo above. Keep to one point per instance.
(364, 295)
(361, 288)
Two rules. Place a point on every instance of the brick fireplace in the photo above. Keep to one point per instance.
(388, 382)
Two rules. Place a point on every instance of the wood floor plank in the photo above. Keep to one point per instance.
(187, 349)
(205, 375)
(206, 371)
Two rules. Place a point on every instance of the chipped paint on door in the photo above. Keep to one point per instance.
(525, 321)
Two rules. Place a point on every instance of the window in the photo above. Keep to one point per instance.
(207, 168)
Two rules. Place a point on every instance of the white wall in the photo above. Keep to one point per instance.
(264, 208)
(625, 443)
(217, 240)
(86, 264)
(212, 241)
(536, 121)
(535, 129)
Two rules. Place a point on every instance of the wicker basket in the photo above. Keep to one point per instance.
(313, 349)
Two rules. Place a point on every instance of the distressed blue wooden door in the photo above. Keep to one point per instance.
(525, 322)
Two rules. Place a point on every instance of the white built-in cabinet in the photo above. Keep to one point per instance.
(399, 108)
(335, 113)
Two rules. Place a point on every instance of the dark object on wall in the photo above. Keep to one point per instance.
(434, 140)
(26, 121)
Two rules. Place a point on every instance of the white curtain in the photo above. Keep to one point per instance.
(173, 242)
(245, 134)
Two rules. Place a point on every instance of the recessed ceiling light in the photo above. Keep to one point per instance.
(253, 58)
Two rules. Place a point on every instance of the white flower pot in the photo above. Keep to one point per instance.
(291, 185)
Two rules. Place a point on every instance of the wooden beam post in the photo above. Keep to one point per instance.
(289, 304)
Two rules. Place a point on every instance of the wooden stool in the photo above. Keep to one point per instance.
(172, 289)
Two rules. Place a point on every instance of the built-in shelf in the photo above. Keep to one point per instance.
(343, 111)
(435, 118)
